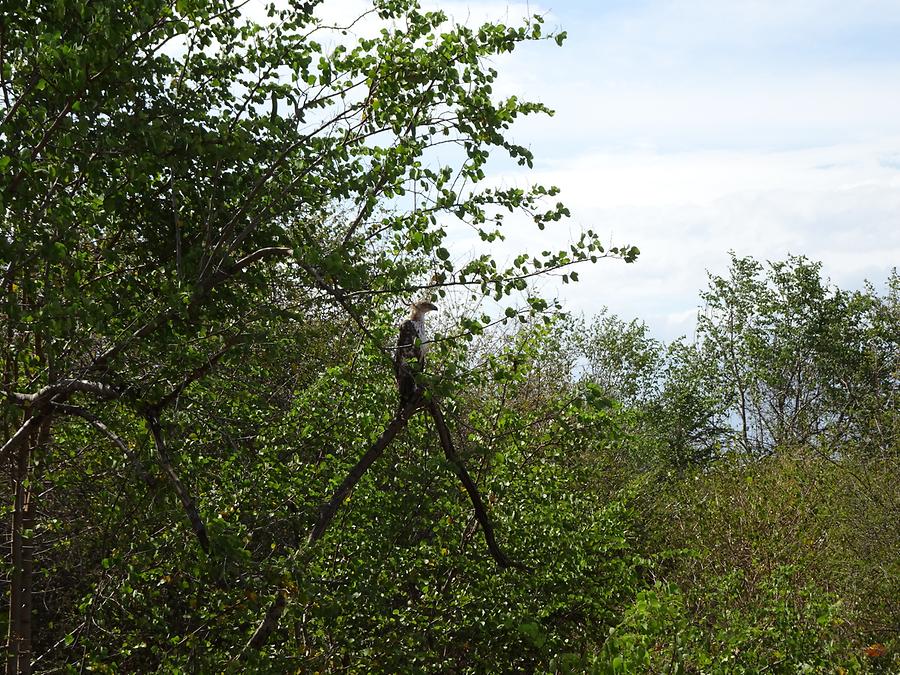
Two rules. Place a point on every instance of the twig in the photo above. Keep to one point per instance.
(117, 440)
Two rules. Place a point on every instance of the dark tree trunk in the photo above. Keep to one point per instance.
(18, 654)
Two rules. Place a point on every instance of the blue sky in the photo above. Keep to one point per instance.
(694, 127)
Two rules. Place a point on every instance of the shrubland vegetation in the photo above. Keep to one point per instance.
(209, 226)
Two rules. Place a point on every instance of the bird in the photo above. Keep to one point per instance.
(409, 356)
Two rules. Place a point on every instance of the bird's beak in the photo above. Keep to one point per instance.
(430, 306)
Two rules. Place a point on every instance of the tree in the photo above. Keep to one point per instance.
(669, 396)
(193, 205)
(623, 359)
(805, 363)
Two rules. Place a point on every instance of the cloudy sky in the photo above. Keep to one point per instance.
(691, 128)
(694, 127)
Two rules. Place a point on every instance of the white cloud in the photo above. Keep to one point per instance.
(691, 128)
(652, 178)
(694, 127)
(839, 205)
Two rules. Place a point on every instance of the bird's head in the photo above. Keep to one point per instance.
(420, 309)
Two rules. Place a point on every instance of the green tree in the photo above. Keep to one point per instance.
(669, 396)
(622, 358)
(206, 224)
(804, 363)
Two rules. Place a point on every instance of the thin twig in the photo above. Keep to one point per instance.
(117, 440)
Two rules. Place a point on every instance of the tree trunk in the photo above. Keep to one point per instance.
(18, 646)
(27, 568)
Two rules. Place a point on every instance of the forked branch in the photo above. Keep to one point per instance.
(328, 511)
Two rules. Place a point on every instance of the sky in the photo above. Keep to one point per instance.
(691, 128)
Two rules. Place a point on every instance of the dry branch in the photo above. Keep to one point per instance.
(190, 508)
(474, 496)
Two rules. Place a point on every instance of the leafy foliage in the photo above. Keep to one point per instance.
(207, 222)
(803, 363)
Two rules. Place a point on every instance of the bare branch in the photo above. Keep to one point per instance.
(341, 298)
(328, 511)
(15, 106)
(67, 108)
(300, 175)
(141, 332)
(246, 261)
(39, 401)
(199, 294)
(186, 500)
(21, 436)
(95, 422)
(63, 388)
(471, 488)
(475, 281)
(2, 65)
(269, 622)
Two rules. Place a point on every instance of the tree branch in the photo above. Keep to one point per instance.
(327, 513)
(269, 622)
(95, 422)
(471, 488)
(38, 402)
(202, 290)
(329, 510)
(21, 436)
(64, 387)
(246, 261)
(15, 106)
(341, 298)
(196, 374)
(186, 501)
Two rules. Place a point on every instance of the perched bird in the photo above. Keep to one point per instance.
(409, 356)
